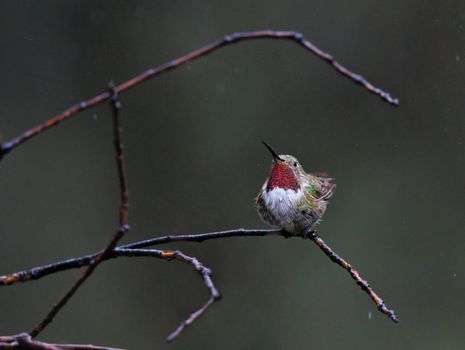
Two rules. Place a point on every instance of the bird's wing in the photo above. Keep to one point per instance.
(327, 186)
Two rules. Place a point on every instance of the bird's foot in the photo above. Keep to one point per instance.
(310, 234)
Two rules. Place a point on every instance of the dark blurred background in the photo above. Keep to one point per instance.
(195, 163)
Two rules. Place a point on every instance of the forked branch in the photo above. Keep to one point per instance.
(134, 249)
(123, 221)
(111, 251)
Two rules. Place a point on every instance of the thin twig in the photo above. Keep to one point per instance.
(24, 341)
(42, 271)
(123, 223)
(297, 37)
(120, 163)
(198, 266)
(313, 235)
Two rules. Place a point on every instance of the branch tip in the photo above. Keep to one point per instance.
(363, 284)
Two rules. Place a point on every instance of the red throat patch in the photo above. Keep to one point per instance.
(282, 176)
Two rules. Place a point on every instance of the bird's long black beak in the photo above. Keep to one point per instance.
(273, 152)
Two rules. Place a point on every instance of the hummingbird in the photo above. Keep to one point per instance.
(290, 198)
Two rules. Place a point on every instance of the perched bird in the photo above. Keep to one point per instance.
(290, 198)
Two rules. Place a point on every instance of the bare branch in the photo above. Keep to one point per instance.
(42, 271)
(45, 270)
(313, 235)
(122, 229)
(111, 251)
(198, 266)
(25, 342)
(6, 147)
(120, 163)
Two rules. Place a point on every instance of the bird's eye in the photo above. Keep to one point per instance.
(294, 164)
